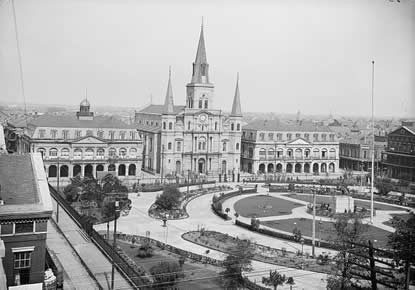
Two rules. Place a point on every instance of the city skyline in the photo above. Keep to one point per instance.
(84, 51)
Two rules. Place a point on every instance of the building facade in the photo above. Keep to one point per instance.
(25, 209)
(84, 144)
(193, 138)
(399, 156)
(296, 149)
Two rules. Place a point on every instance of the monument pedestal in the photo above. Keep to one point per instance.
(343, 203)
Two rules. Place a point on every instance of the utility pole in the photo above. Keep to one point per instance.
(57, 204)
(314, 224)
(373, 145)
(162, 162)
(114, 244)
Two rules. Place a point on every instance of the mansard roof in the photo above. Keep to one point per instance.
(158, 109)
(276, 125)
(71, 121)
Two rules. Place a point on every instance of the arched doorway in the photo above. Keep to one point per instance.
(88, 170)
(131, 170)
(64, 171)
(261, 168)
(289, 168)
(249, 167)
(332, 167)
(323, 168)
(111, 167)
(297, 168)
(121, 170)
(53, 171)
(201, 165)
(76, 170)
(178, 167)
(223, 166)
(315, 168)
(270, 168)
(100, 167)
(307, 168)
(279, 167)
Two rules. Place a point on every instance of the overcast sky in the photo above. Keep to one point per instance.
(308, 55)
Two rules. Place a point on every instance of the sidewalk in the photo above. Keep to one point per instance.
(75, 274)
(98, 264)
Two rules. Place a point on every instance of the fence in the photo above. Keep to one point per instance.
(127, 270)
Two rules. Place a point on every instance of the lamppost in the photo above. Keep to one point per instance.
(319, 232)
(302, 246)
(162, 162)
(188, 181)
(114, 243)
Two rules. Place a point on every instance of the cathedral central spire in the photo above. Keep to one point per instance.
(168, 103)
(236, 105)
(200, 66)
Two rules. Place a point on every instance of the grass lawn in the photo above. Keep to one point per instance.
(325, 230)
(201, 273)
(404, 216)
(263, 206)
(329, 199)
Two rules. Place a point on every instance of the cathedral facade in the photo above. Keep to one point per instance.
(195, 137)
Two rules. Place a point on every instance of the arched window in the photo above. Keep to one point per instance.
(76, 170)
(316, 153)
(206, 104)
(232, 127)
(164, 125)
(122, 152)
(77, 154)
(42, 151)
(64, 171)
(202, 143)
(131, 170)
(100, 153)
(271, 153)
(53, 152)
(179, 146)
(65, 153)
(200, 104)
(89, 153)
(216, 126)
(169, 146)
(111, 167)
(332, 153)
(188, 125)
(112, 152)
(290, 153)
(133, 152)
(324, 153)
(52, 172)
(224, 146)
(262, 153)
(121, 170)
(298, 153)
(100, 167)
(250, 153)
(238, 127)
(170, 126)
(237, 146)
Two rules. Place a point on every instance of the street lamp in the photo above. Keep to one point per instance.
(302, 246)
(116, 210)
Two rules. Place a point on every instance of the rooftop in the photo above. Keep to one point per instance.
(24, 187)
(71, 121)
(158, 109)
(277, 125)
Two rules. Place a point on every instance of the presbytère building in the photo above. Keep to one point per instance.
(83, 144)
(195, 137)
(399, 156)
(25, 208)
(271, 146)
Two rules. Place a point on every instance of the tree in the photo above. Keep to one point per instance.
(169, 199)
(255, 223)
(290, 281)
(403, 242)
(165, 274)
(349, 230)
(274, 279)
(71, 192)
(238, 261)
(111, 183)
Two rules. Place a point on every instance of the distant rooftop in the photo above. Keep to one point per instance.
(276, 125)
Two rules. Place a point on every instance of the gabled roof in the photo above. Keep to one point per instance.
(409, 129)
(158, 109)
(277, 125)
(71, 121)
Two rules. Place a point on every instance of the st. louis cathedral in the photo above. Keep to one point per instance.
(195, 137)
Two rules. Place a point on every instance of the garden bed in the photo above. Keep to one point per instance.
(264, 206)
(222, 242)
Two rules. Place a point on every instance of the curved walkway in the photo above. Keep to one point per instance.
(200, 215)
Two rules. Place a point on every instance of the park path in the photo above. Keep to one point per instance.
(200, 215)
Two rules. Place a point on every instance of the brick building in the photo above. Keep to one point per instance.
(25, 209)
(399, 156)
